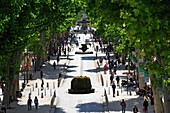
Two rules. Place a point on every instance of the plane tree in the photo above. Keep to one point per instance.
(146, 24)
(27, 24)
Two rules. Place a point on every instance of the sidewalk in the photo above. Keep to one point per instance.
(50, 77)
(121, 92)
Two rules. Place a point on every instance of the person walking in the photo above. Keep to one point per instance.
(111, 78)
(135, 109)
(29, 102)
(58, 59)
(2, 106)
(113, 88)
(36, 102)
(42, 84)
(117, 79)
(123, 104)
(145, 105)
(41, 74)
(54, 65)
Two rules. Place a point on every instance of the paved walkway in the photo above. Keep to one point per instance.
(50, 77)
(67, 103)
(121, 92)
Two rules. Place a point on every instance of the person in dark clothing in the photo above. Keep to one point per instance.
(59, 75)
(29, 102)
(33, 61)
(48, 58)
(152, 100)
(135, 109)
(65, 52)
(54, 65)
(58, 59)
(42, 84)
(145, 105)
(36, 102)
(123, 104)
(2, 106)
(41, 74)
(111, 78)
(97, 48)
(115, 69)
(117, 79)
(113, 88)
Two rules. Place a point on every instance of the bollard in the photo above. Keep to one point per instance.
(44, 92)
(47, 85)
(53, 85)
(54, 93)
(29, 95)
(106, 83)
(130, 93)
(117, 93)
(41, 95)
(50, 92)
(36, 85)
(32, 87)
(58, 82)
(108, 90)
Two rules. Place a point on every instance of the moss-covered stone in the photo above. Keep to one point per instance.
(81, 84)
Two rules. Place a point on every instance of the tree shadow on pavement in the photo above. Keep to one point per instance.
(24, 108)
(71, 66)
(68, 76)
(92, 70)
(59, 110)
(90, 107)
(114, 105)
(88, 58)
(69, 71)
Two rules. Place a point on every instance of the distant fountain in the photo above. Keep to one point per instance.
(84, 50)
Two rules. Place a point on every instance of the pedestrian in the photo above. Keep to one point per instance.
(117, 79)
(105, 68)
(41, 74)
(145, 105)
(42, 84)
(115, 69)
(152, 101)
(59, 75)
(29, 102)
(2, 106)
(113, 88)
(58, 59)
(135, 109)
(33, 61)
(123, 104)
(54, 65)
(111, 78)
(101, 60)
(65, 52)
(36, 102)
(97, 48)
(49, 58)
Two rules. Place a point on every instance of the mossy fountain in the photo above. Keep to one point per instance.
(81, 85)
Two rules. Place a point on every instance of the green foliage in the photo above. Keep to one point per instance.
(144, 24)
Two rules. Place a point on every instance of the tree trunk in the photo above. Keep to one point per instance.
(7, 87)
(166, 99)
(158, 104)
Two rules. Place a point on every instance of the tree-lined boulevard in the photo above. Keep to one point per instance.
(36, 32)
